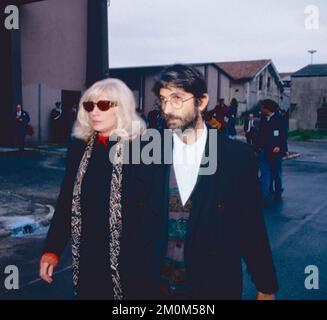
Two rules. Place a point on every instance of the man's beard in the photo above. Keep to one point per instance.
(189, 122)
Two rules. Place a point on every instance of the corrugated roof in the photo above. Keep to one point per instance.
(312, 70)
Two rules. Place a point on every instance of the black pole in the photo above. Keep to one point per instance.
(97, 41)
(10, 79)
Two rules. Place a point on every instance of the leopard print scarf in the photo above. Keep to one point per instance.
(115, 216)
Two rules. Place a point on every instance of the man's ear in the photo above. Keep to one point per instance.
(203, 102)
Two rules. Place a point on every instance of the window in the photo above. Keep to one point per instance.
(268, 83)
(260, 82)
(293, 107)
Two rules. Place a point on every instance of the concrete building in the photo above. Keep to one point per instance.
(286, 79)
(252, 81)
(247, 81)
(141, 80)
(60, 48)
(308, 95)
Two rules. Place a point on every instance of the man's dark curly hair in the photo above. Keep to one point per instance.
(181, 76)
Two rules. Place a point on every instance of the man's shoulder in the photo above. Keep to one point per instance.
(278, 117)
(237, 151)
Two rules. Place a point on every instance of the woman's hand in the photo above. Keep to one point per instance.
(47, 264)
(265, 296)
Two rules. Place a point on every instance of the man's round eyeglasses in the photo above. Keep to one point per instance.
(175, 101)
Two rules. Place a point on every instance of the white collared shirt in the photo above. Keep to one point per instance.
(186, 161)
(269, 117)
(251, 125)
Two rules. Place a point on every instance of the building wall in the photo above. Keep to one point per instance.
(286, 101)
(286, 95)
(149, 97)
(53, 51)
(307, 95)
(212, 83)
(150, 100)
(255, 95)
(274, 91)
(239, 92)
(42, 99)
(225, 88)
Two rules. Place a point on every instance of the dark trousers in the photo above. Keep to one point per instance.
(265, 173)
(276, 184)
(20, 140)
(250, 138)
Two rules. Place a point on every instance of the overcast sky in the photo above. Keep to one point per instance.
(155, 32)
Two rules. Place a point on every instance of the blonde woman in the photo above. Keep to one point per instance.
(102, 203)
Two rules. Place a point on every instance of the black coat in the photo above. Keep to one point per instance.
(273, 133)
(253, 130)
(226, 223)
(141, 228)
(22, 122)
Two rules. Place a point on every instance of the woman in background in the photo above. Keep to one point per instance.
(232, 115)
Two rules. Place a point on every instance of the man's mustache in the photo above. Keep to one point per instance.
(171, 117)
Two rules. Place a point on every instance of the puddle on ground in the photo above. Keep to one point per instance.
(23, 226)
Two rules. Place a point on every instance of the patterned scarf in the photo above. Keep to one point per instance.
(115, 216)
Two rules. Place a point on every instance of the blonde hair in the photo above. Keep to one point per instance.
(129, 124)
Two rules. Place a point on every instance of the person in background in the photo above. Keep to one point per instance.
(56, 123)
(155, 119)
(250, 130)
(232, 115)
(21, 122)
(219, 116)
(271, 147)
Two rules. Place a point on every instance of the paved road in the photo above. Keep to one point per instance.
(297, 227)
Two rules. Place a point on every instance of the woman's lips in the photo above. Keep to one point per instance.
(96, 121)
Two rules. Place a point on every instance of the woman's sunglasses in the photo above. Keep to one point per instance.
(103, 105)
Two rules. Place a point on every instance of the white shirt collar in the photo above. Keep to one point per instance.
(186, 161)
(269, 117)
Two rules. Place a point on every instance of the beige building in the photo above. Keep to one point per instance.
(53, 55)
(141, 81)
(308, 95)
(60, 48)
(247, 81)
(251, 81)
(286, 79)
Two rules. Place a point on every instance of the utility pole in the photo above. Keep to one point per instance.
(312, 52)
(97, 64)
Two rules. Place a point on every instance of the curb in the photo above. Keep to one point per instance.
(37, 150)
(292, 156)
(49, 152)
(309, 140)
(4, 233)
(317, 140)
